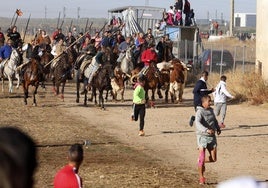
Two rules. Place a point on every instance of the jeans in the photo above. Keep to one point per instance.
(139, 110)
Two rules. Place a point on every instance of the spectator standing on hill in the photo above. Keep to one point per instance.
(206, 127)
(2, 38)
(160, 49)
(220, 96)
(199, 91)
(68, 176)
(178, 17)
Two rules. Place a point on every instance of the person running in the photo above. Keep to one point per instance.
(206, 127)
(139, 103)
(199, 91)
(220, 96)
(68, 175)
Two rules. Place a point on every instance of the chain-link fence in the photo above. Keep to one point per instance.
(217, 57)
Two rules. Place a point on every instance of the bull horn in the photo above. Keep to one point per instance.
(132, 78)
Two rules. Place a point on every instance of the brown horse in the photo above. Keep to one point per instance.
(32, 76)
(63, 70)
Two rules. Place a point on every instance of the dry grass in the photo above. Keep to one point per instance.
(246, 87)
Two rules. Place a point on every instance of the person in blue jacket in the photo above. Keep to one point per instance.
(199, 91)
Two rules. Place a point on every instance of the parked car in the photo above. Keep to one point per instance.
(219, 59)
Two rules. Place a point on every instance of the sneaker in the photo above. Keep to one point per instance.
(221, 125)
(141, 133)
(191, 122)
(202, 181)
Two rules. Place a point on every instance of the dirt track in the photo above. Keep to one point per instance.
(118, 157)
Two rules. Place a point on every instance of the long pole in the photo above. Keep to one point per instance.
(26, 28)
(232, 18)
(58, 22)
(11, 24)
(86, 24)
(66, 49)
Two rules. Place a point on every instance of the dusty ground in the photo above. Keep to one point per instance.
(118, 157)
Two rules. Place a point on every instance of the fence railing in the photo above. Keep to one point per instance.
(217, 56)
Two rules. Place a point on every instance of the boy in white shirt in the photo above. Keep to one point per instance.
(220, 97)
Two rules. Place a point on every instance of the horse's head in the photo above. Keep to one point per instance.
(15, 56)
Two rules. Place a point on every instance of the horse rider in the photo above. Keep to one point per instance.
(147, 57)
(57, 50)
(90, 51)
(14, 35)
(123, 46)
(5, 52)
(100, 60)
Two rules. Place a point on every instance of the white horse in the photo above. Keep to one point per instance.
(126, 63)
(9, 69)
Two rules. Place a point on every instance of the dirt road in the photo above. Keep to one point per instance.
(118, 157)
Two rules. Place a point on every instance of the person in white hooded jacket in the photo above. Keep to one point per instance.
(220, 97)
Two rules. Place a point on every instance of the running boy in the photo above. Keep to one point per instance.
(206, 127)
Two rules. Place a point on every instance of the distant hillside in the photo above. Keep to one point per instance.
(50, 24)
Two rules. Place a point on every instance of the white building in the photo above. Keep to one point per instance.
(245, 20)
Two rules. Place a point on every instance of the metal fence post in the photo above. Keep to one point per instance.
(234, 59)
(185, 52)
(243, 59)
(221, 60)
(211, 59)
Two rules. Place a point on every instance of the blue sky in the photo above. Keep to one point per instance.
(98, 8)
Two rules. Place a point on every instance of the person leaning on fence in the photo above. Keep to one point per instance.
(68, 175)
(200, 90)
(206, 127)
(18, 158)
(220, 96)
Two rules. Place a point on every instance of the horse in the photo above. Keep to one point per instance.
(61, 71)
(126, 64)
(9, 69)
(32, 76)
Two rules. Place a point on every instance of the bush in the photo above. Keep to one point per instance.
(246, 87)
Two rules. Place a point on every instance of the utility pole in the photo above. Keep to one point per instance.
(64, 12)
(232, 18)
(78, 17)
(146, 2)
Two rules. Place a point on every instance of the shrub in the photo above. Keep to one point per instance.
(249, 87)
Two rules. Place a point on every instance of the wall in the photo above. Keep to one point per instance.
(262, 39)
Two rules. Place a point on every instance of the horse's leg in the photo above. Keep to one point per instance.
(166, 94)
(153, 92)
(77, 91)
(3, 84)
(85, 97)
(18, 80)
(95, 95)
(101, 99)
(10, 84)
(34, 93)
(62, 91)
(25, 90)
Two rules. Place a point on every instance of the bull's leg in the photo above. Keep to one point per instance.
(166, 95)
(122, 95)
(180, 94)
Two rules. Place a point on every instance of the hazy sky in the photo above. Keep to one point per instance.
(98, 8)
